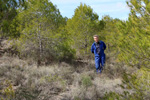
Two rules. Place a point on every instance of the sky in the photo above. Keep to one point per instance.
(113, 8)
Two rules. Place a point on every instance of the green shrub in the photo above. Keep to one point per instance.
(7, 90)
(86, 81)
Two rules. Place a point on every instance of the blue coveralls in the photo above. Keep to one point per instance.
(99, 58)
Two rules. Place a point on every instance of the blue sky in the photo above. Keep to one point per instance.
(113, 8)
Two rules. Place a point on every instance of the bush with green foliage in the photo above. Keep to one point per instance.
(81, 28)
(42, 33)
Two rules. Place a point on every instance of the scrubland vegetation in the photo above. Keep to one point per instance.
(45, 56)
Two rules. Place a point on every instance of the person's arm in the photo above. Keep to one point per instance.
(92, 49)
(104, 45)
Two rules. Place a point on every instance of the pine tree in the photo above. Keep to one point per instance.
(136, 38)
(8, 11)
(38, 26)
(81, 27)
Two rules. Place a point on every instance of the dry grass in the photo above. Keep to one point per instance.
(59, 81)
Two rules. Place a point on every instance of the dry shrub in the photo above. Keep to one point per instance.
(59, 81)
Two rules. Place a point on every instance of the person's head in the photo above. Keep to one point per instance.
(96, 38)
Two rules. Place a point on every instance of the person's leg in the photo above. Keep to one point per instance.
(100, 68)
(97, 64)
(102, 61)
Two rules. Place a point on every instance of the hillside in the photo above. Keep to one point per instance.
(46, 56)
(58, 81)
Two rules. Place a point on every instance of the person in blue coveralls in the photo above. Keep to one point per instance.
(98, 48)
